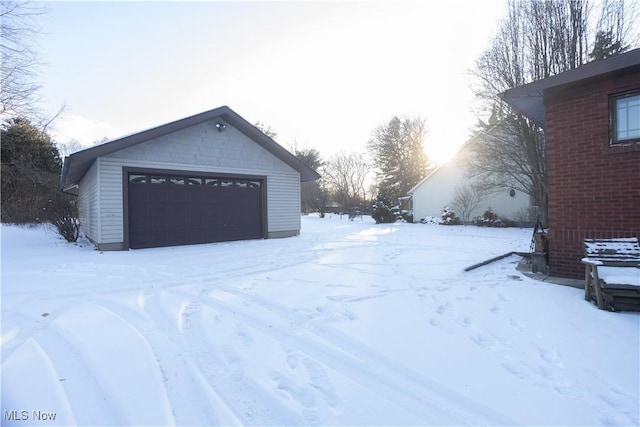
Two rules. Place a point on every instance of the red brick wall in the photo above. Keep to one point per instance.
(594, 188)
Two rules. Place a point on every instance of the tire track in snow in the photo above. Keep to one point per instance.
(222, 371)
(76, 378)
(406, 388)
(31, 359)
(189, 399)
(103, 339)
(193, 401)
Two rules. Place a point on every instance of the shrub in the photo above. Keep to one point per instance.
(430, 220)
(62, 213)
(449, 217)
(490, 219)
(382, 213)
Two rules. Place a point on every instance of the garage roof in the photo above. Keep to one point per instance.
(77, 164)
(528, 99)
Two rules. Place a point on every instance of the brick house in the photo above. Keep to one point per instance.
(591, 119)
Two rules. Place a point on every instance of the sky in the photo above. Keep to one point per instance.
(323, 75)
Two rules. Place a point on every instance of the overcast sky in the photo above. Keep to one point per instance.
(323, 75)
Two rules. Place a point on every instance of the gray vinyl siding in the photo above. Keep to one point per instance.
(111, 224)
(88, 203)
(284, 198)
(202, 148)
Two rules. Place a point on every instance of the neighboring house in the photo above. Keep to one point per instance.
(206, 178)
(438, 189)
(591, 118)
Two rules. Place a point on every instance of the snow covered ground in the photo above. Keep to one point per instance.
(351, 323)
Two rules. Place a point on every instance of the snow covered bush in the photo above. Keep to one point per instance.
(430, 220)
(382, 213)
(490, 219)
(449, 217)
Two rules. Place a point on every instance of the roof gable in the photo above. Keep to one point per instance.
(528, 99)
(77, 164)
(460, 151)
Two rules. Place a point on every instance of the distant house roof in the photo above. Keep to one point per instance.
(528, 98)
(460, 149)
(77, 164)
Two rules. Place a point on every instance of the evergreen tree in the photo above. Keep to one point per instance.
(605, 46)
(398, 155)
(312, 197)
(30, 171)
(381, 211)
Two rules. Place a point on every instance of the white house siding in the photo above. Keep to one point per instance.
(439, 189)
(202, 148)
(88, 203)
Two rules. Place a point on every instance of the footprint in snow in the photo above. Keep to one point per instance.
(292, 358)
(514, 369)
(517, 324)
(299, 394)
(550, 356)
(235, 364)
(319, 380)
(482, 340)
(245, 338)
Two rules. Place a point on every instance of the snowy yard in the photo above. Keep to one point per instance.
(351, 323)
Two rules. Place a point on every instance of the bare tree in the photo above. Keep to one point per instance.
(69, 147)
(18, 32)
(510, 154)
(345, 175)
(466, 199)
(535, 40)
(267, 130)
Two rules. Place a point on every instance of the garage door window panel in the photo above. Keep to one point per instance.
(158, 180)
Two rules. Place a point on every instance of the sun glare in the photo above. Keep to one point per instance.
(441, 154)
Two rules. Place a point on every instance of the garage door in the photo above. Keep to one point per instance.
(172, 209)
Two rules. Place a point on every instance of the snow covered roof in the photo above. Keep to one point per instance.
(528, 98)
(77, 164)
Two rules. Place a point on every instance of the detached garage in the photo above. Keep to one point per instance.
(207, 178)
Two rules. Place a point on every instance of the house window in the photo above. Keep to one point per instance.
(626, 118)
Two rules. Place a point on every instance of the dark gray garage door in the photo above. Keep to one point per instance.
(168, 210)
